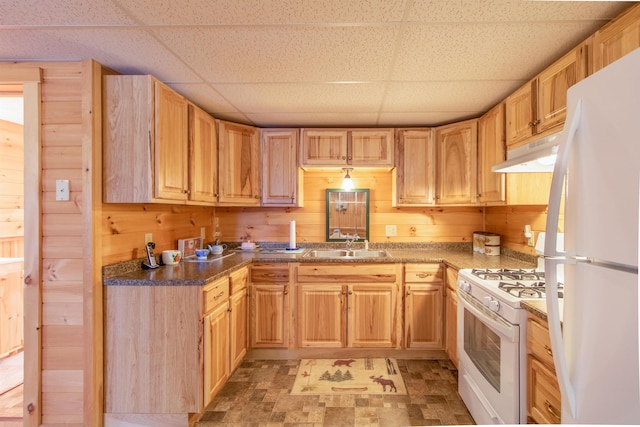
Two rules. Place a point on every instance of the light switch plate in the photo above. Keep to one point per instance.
(62, 189)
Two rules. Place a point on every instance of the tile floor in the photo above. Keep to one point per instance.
(257, 394)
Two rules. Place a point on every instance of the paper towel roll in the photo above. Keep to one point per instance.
(292, 235)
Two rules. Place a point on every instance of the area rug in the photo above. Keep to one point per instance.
(348, 376)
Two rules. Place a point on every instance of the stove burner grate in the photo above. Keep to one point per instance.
(532, 290)
(507, 274)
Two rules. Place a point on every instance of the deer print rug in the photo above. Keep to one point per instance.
(348, 376)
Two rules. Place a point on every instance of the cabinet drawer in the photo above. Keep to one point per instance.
(270, 272)
(423, 273)
(239, 280)
(538, 341)
(214, 294)
(364, 273)
(543, 397)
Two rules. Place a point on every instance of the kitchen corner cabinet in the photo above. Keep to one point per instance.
(539, 107)
(423, 306)
(203, 156)
(239, 319)
(414, 176)
(346, 147)
(616, 39)
(216, 337)
(456, 146)
(281, 177)
(146, 141)
(451, 314)
(270, 305)
(543, 392)
(238, 165)
(491, 185)
(352, 305)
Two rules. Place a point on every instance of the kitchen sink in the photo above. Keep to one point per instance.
(343, 253)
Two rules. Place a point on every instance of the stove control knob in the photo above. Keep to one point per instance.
(494, 305)
(487, 301)
(465, 286)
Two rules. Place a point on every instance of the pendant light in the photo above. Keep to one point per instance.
(347, 183)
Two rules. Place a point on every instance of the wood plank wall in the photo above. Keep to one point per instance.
(423, 224)
(11, 190)
(509, 222)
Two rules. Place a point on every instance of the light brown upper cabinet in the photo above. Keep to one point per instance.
(616, 39)
(281, 177)
(238, 164)
(415, 173)
(203, 157)
(456, 146)
(346, 147)
(491, 185)
(539, 107)
(146, 141)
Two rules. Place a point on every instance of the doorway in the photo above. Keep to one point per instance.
(11, 254)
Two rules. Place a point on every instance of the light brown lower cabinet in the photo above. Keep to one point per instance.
(216, 350)
(270, 306)
(423, 306)
(543, 392)
(451, 314)
(348, 305)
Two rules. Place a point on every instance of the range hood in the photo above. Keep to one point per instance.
(536, 156)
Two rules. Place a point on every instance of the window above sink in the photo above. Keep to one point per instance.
(347, 214)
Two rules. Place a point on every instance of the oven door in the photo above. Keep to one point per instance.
(489, 363)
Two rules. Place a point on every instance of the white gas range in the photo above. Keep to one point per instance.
(492, 341)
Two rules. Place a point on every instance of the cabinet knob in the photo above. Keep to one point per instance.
(408, 293)
(350, 292)
(344, 157)
(549, 352)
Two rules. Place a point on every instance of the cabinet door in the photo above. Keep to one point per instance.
(520, 109)
(321, 315)
(239, 305)
(323, 147)
(369, 147)
(171, 144)
(543, 393)
(457, 163)
(203, 156)
(280, 176)
(616, 39)
(269, 315)
(423, 316)
(491, 185)
(415, 176)
(372, 315)
(238, 167)
(451, 325)
(553, 84)
(216, 351)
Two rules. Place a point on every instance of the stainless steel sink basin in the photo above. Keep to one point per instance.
(343, 253)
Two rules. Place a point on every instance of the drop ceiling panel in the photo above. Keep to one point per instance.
(61, 13)
(303, 98)
(261, 12)
(284, 54)
(484, 51)
(204, 96)
(424, 118)
(314, 119)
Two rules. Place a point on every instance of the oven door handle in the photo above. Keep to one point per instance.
(488, 317)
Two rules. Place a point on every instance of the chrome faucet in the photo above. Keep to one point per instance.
(350, 242)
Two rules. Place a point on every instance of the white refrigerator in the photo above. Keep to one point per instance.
(597, 178)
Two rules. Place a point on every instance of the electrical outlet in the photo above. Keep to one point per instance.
(203, 232)
(148, 237)
(390, 230)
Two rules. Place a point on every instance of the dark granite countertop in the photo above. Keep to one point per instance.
(199, 273)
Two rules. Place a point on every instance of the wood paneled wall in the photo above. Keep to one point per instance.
(509, 222)
(424, 224)
(11, 190)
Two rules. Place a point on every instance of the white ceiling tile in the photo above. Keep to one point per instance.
(314, 119)
(273, 54)
(424, 119)
(512, 10)
(204, 96)
(484, 51)
(126, 50)
(447, 95)
(61, 12)
(260, 12)
(313, 98)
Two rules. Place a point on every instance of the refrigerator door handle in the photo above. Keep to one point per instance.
(557, 181)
